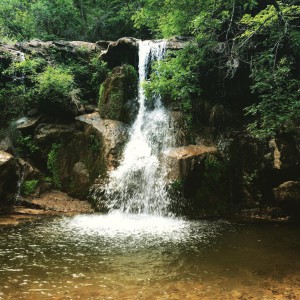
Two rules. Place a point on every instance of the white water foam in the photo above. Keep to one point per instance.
(138, 185)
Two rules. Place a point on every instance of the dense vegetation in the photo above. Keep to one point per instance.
(240, 67)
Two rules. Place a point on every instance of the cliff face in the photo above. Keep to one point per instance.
(68, 148)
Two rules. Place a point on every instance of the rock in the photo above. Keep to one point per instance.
(181, 162)
(40, 48)
(8, 178)
(6, 144)
(29, 123)
(124, 50)
(177, 43)
(183, 135)
(288, 196)
(80, 179)
(52, 133)
(60, 202)
(286, 154)
(114, 134)
(118, 95)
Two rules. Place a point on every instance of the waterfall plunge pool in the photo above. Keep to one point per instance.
(123, 256)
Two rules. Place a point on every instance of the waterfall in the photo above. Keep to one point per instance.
(138, 184)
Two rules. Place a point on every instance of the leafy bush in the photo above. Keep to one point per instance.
(29, 187)
(279, 94)
(56, 90)
(53, 164)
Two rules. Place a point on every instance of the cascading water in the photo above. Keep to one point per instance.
(138, 185)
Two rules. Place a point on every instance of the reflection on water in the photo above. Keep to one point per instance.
(119, 256)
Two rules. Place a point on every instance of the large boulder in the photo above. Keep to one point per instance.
(118, 95)
(72, 155)
(285, 152)
(114, 136)
(8, 178)
(288, 197)
(181, 162)
(197, 174)
(124, 50)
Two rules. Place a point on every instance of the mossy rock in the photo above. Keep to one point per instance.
(118, 93)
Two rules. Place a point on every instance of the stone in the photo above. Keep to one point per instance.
(181, 162)
(288, 196)
(124, 50)
(8, 178)
(118, 95)
(40, 48)
(286, 153)
(114, 134)
(183, 135)
(52, 133)
(80, 179)
(29, 123)
(6, 144)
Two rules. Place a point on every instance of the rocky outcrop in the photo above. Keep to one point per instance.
(40, 48)
(118, 95)
(288, 197)
(8, 178)
(114, 136)
(124, 50)
(285, 153)
(182, 162)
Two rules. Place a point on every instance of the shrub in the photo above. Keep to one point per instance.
(56, 90)
(53, 164)
(29, 187)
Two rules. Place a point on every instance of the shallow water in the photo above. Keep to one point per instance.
(119, 256)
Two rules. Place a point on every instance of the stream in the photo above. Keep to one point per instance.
(126, 256)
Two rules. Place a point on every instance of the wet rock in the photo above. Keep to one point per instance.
(8, 178)
(124, 50)
(113, 133)
(50, 133)
(181, 162)
(60, 202)
(288, 196)
(6, 144)
(285, 152)
(118, 94)
(183, 134)
(80, 179)
(29, 124)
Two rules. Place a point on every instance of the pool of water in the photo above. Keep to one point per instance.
(120, 256)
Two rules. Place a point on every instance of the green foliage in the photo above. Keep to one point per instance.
(53, 164)
(118, 88)
(56, 89)
(23, 145)
(17, 87)
(214, 171)
(28, 187)
(278, 108)
(94, 143)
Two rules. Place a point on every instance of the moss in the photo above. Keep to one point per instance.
(53, 165)
(116, 90)
(29, 187)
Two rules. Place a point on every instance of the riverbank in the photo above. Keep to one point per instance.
(52, 203)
